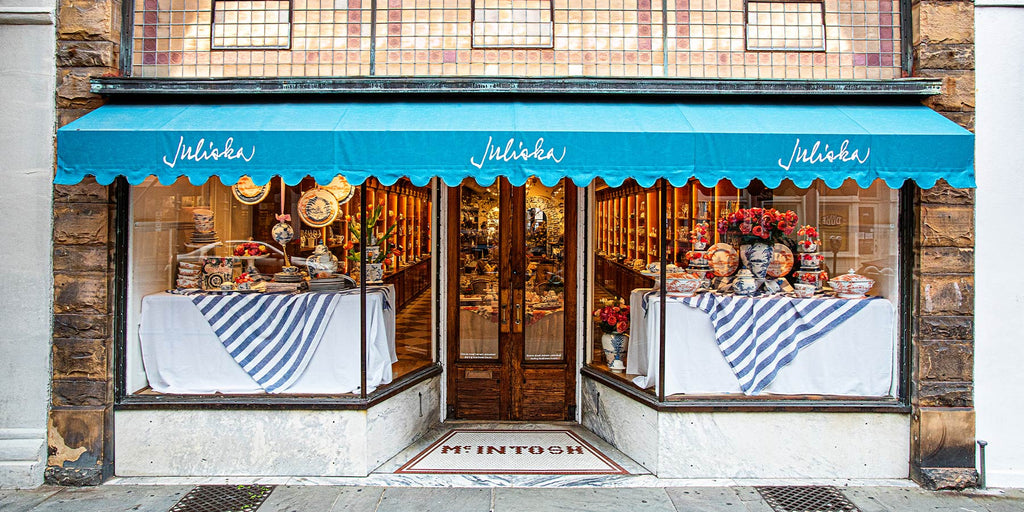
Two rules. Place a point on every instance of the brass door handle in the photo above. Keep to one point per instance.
(503, 307)
(517, 300)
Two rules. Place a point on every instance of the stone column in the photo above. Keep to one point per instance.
(81, 415)
(942, 361)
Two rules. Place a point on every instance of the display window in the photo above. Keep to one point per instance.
(747, 292)
(265, 289)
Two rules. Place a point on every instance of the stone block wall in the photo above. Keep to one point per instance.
(81, 415)
(942, 360)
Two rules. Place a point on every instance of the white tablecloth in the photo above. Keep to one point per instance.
(182, 355)
(857, 358)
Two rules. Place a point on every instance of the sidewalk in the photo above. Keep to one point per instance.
(316, 498)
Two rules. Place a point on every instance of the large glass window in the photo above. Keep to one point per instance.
(784, 291)
(251, 289)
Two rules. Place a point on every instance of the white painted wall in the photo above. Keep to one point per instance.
(999, 330)
(27, 119)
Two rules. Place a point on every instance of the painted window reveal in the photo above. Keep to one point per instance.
(781, 26)
(251, 24)
(512, 24)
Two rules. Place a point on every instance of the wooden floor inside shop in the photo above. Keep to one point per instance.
(412, 343)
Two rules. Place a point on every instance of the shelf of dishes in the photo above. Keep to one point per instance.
(402, 224)
(628, 219)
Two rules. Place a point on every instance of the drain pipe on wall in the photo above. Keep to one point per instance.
(981, 459)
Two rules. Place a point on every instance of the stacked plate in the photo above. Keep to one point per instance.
(288, 277)
(203, 238)
(188, 275)
(336, 282)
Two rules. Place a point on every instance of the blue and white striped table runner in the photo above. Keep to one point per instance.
(272, 336)
(760, 336)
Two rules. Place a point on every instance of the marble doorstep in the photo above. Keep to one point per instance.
(435, 433)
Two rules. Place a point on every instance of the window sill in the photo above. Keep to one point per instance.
(741, 403)
(279, 402)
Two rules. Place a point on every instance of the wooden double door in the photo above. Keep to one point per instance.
(512, 301)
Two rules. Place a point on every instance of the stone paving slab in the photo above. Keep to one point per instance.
(578, 500)
(406, 499)
(299, 498)
(24, 500)
(717, 499)
(113, 499)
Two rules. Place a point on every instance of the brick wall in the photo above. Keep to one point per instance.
(942, 364)
(80, 424)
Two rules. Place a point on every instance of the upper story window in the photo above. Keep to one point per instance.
(512, 24)
(780, 26)
(251, 24)
(765, 39)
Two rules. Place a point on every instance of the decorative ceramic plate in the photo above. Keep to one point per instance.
(724, 259)
(318, 207)
(247, 192)
(341, 189)
(283, 233)
(782, 261)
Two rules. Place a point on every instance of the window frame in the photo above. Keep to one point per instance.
(123, 400)
(659, 401)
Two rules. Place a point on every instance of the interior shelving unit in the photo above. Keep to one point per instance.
(629, 219)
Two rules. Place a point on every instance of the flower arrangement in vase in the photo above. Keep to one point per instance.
(613, 320)
(699, 236)
(810, 259)
(758, 229)
(809, 242)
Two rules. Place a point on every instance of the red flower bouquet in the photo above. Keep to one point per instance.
(758, 225)
(613, 319)
(810, 241)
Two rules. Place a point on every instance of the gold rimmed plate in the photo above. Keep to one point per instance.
(341, 189)
(248, 192)
(318, 207)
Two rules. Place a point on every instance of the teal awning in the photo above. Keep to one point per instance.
(484, 140)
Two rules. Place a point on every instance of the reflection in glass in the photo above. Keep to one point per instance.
(478, 272)
(545, 243)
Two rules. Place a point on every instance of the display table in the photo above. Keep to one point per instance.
(859, 357)
(183, 355)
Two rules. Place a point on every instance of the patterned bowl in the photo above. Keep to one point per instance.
(682, 285)
(851, 285)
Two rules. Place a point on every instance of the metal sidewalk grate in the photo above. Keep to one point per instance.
(223, 498)
(806, 499)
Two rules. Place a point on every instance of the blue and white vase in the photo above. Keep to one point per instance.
(614, 346)
(757, 257)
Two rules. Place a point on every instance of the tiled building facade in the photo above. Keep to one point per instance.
(436, 38)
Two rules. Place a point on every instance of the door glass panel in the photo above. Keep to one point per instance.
(478, 271)
(545, 285)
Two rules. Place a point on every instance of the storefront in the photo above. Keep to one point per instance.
(340, 277)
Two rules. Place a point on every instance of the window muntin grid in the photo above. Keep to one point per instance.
(250, 24)
(780, 26)
(590, 38)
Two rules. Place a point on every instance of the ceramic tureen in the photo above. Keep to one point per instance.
(851, 285)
